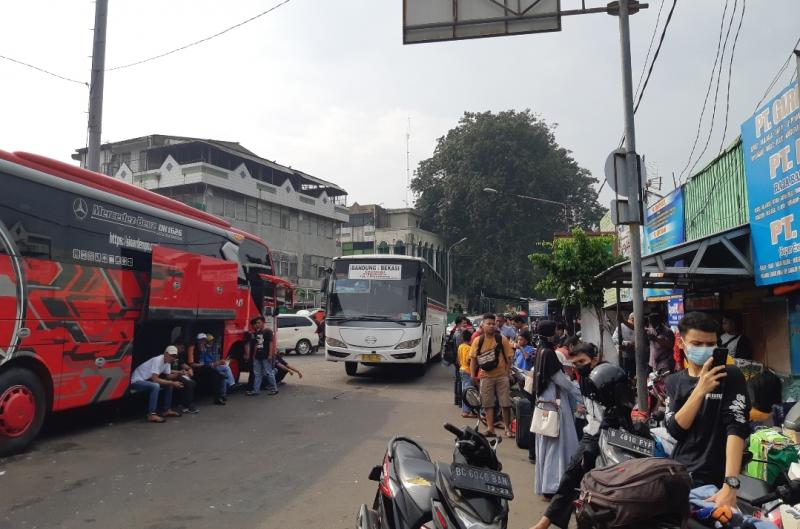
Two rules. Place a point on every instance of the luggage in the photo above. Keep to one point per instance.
(633, 492)
(523, 411)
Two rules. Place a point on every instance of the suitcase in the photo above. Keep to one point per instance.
(523, 412)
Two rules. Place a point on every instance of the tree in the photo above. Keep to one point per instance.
(570, 264)
(513, 152)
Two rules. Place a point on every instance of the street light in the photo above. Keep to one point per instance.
(449, 268)
(526, 197)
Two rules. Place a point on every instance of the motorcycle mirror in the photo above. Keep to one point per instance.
(375, 473)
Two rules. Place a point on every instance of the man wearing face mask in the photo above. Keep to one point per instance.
(708, 411)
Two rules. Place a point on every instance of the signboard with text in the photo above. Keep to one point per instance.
(664, 225)
(380, 272)
(771, 144)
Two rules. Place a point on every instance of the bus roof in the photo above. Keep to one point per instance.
(389, 256)
(120, 188)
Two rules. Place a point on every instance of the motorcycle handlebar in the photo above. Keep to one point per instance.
(455, 430)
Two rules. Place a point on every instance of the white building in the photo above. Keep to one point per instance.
(297, 214)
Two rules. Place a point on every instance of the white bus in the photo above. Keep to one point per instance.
(384, 309)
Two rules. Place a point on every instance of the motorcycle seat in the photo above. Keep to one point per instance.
(416, 473)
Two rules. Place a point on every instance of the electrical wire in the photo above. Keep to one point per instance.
(649, 49)
(42, 70)
(716, 91)
(730, 74)
(777, 76)
(205, 39)
(655, 55)
(708, 92)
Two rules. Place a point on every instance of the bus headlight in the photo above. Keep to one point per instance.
(333, 342)
(408, 344)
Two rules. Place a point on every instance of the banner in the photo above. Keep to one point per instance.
(537, 309)
(663, 226)
(771, 143)
(675, 310)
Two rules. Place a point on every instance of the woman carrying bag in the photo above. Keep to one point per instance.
(553, 422)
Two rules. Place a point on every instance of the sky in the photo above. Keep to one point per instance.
(327, 86)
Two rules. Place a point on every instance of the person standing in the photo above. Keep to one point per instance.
(505, 329)
(148, 378)
(554, 393)
(463, 363)
(662, 342)
(561, 336)
(259, 349)
(525, 354)
(732, 339)
(708, 412)
(624, 339)
(490, 368)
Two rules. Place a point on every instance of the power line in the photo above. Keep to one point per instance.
(716, 91)
(42, 70)
(649, 48)
(730, 74)
(205, 39)
(656, 54)
(777, 76)
(708, 92)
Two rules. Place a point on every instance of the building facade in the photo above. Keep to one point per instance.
(298, 215)
(375, 229)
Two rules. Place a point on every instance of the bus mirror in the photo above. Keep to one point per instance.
(325, 284)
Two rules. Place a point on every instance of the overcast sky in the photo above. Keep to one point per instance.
(327, 87)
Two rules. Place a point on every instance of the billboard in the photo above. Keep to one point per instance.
(442, 20)
(771, 144)
(664, 223)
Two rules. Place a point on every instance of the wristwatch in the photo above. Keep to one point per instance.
(733, 482)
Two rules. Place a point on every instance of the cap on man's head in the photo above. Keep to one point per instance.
(546, 328)
(202, 336)
(210, 337)
(171, 350)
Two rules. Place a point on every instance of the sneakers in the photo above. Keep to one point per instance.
(252, 393)
(272, 392)
(189, 411)
(219, 401)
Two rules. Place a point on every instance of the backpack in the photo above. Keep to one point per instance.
(635, 491)
(489, 360)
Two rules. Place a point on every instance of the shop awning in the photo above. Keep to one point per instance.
(277, 280)
(719, 259)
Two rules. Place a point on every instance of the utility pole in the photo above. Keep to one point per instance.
(797, 57)
(634, 194)
(449, 271)
(96, 87)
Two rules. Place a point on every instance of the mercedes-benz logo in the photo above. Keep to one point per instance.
(79, 208)
(370, 340)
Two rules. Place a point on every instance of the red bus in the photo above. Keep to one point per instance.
(97, 275)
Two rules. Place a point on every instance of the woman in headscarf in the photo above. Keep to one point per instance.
(554, 392)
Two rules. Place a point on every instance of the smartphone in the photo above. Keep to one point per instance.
(720, 356)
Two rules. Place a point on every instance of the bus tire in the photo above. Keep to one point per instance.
(23, 406)
(351, 368)
(303, 347)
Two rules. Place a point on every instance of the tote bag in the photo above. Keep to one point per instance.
(546, 422)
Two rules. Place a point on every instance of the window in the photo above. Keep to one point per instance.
(321, 223)
(266, 211)
(329, 230)
(230, 209)
(251, 214)
(239, 209)
(383, 247)
(286, 222)
(276, 216)
(217, 206)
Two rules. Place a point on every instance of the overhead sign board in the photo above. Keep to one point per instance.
(664, 223)
(443, 20)
(375, 271)
(771, 143)
(537, 309)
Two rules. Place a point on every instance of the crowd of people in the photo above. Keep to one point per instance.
(182, 368)
(707, 406)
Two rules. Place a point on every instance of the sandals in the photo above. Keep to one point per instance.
(467, 415)
(510, 434)
(171, 413)
(155, 418)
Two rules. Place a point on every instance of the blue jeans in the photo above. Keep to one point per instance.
(466, 382)
(227, 378)
(263, 368)
(152, 389)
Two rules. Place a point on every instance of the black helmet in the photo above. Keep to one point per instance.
(608, 385)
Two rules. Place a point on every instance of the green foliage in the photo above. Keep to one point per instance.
(515, 153)
(569, 266)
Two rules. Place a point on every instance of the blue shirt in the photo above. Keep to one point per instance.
(208, 354)
(520, 361)
(509, 332)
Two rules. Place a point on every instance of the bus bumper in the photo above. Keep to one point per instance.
(369, 357)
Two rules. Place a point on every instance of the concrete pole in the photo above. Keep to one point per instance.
(96, 87)
(634, 196)
(797, 57)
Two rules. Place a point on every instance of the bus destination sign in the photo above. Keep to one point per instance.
(375, 271)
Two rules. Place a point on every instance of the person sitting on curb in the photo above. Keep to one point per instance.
(206, 360)
(185, 374)
(282, 367)
(148, 378)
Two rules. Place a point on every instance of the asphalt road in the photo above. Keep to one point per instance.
(298, 459)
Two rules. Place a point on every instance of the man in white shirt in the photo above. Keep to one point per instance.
(148, 378)
(626, 345)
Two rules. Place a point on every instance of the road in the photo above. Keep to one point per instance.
(298, 459)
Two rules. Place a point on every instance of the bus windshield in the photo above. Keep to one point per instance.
(375, 289)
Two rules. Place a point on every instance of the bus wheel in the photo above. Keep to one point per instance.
(22, 409)
(351, 368)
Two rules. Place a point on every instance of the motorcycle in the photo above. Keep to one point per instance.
(657, 395)
(415, 492)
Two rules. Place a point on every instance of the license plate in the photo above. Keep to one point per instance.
(631, 442)
(482, 480)
(371, 358)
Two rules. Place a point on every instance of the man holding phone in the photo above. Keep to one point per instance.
(708, 410)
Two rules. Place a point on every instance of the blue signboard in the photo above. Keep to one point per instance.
(771, 143)
(663, 225)
(663, 228)
(675, 310)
